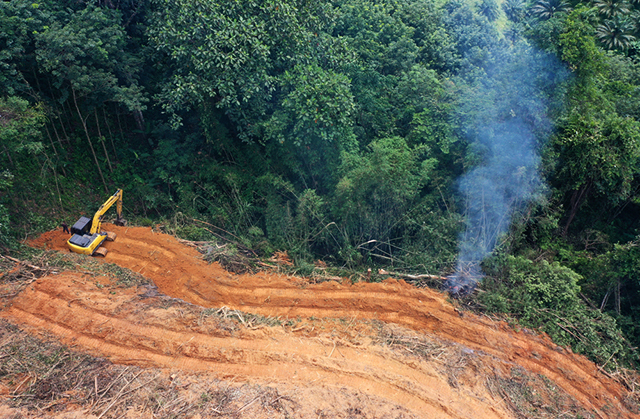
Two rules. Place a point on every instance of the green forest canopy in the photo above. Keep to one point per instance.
(340, 130)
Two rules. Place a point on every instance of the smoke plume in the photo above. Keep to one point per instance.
(507, 130)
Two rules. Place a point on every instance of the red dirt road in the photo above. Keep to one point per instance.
(114, 325)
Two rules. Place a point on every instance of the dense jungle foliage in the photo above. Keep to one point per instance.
(340, 130)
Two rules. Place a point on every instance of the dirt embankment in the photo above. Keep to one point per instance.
(129, 326)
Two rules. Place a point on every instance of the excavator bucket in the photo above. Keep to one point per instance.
(120, 222)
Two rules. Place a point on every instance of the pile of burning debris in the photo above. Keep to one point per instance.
(463, 282)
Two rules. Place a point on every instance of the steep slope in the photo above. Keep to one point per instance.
(128, 327)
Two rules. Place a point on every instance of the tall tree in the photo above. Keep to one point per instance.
(84, 54)
(599, 149)
(229, 53)
(315, 123)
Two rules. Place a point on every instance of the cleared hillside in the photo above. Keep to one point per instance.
(406, 351)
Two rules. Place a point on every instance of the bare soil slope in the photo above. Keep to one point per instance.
(315, 353)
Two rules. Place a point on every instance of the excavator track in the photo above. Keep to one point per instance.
(100, 251)
(111, 236)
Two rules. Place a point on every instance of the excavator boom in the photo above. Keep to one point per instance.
(116, 198)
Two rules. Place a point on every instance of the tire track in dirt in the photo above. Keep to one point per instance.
(179, 271)
(401, 304)
(89, 323)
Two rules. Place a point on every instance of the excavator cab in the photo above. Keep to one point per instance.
(82, 226)
(87, 235)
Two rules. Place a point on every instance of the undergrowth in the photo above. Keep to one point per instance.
(546, 296)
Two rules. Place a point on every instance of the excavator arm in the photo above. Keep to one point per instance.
(116, 198)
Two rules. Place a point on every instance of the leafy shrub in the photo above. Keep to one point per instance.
(376, 191)
(430, 241)
(295, 221)
(546, 296)
(4, 226)
(145, 222)
(610, 280)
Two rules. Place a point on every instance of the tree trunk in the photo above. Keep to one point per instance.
(55, 131)
(93, 151)
(621, 208)
(64, 130)
(618, 297)
(35, 76)
(55, 151)
(8, 156)
(106, 121)
(139, 118)
(53, 145)
(119, 123)
(577, 198)
(70, 118)
(605, 299)
(57, 116)
(55, 177)
(104, 147)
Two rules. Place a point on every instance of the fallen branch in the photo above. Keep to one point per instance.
(237, 243)
(328, 278)
(117, 397)
(199, 243)
(141, 385)
(71, 301)
(409, 276)
(23, 263)
(248, 404)
(588, 301)
(266, 265)
(29, 377)
(334, 348)
(104, 391)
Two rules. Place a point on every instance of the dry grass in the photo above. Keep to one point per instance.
(630, 379)
(526, 395)
(232, 259)
(39, 376)
(454, 360)
(531, 396)
(16, 274)
(250, 321)
(225, 248)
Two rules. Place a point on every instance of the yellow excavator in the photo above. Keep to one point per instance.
(87, 235)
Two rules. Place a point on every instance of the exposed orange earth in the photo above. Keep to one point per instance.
(321, 353)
